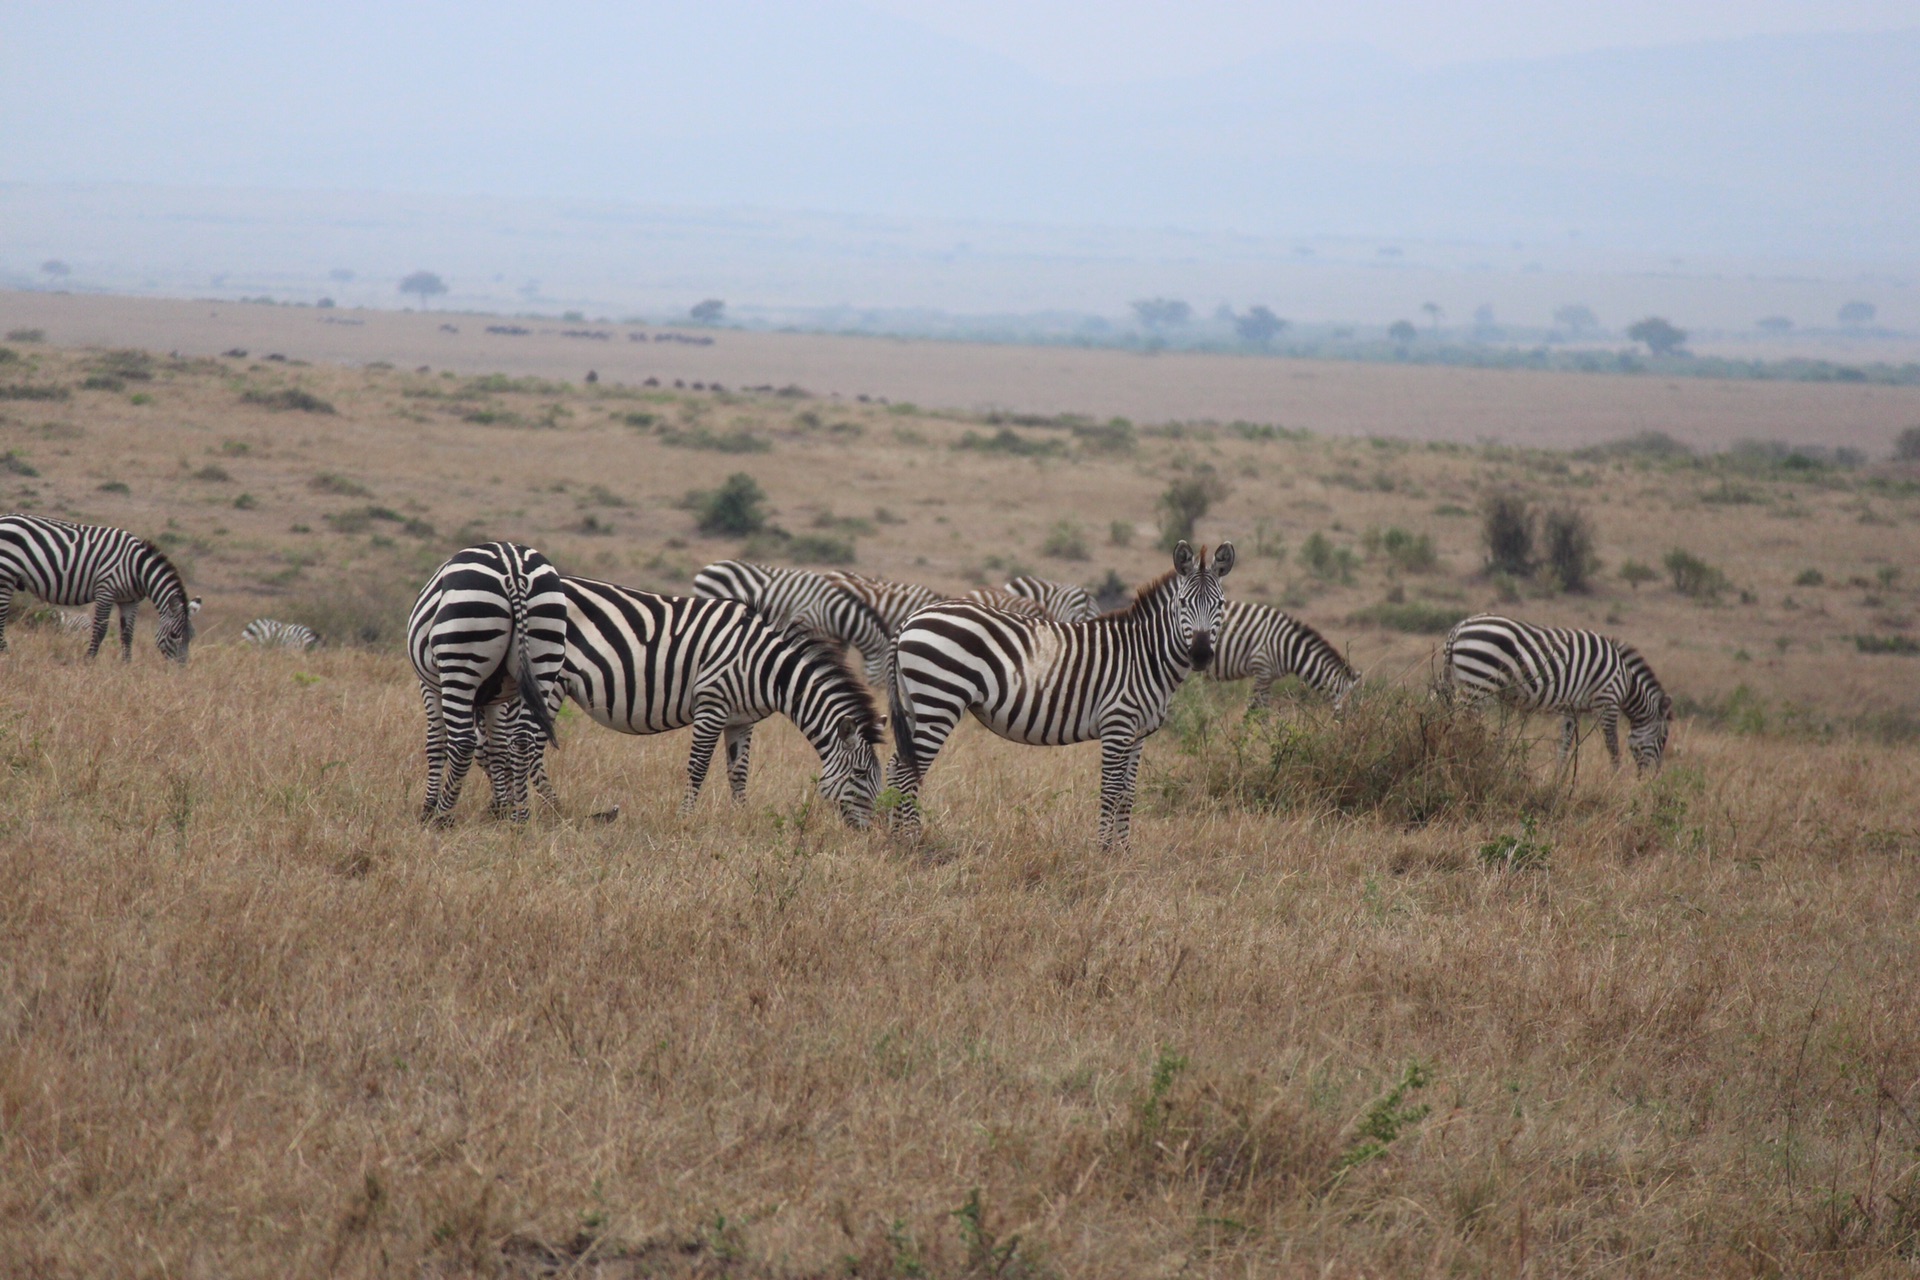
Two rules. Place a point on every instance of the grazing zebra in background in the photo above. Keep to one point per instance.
(994, 597)
(269, 633)
(644, 663)
(1063, 601)
(70, 564)
(825, 604)
(1264, 644)
(1052, 683)
(1558, 669)
(488, 638)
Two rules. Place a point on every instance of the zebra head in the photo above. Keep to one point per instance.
(1198, 599)
(1647, 739)
(850, 770)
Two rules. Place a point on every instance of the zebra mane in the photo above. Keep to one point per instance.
(816, 648)
(169, 572)
(1641, 670)
(1143, 595)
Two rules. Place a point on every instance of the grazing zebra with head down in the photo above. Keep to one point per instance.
(488, 638)
(645, 663)
(1052, 683)
(1063, 601)
(1563, 670)
(270, 633)
(69, 564)
(827, 604)
(1264, 644)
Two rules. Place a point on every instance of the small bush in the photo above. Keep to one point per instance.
(1007, 440)
(1810, 578)
(1506, 527)
(1409, 552)
(103, 382)
(245, 502)
(641, 420)
(334, 483)
(214, 474)
(1694, 577)
(26, 335)
(1117, 436)
(31, 391)
(1324, 560)
(1065, 541)
(1886, 644)
(1906, 446)
(9, 356)
(1568, 535)
(132, 366)
(1120, 533)
(1523, 852)
(1636, 573)
(114, 486)
(1184, 504)
(736, 508)
(15, 465)
(741, 441)
(494, 418)
(289, 399)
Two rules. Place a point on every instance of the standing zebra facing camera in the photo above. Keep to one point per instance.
(73, 564)
(1562, 670)
(1046, 683)
(488, 638)
(270, 633)
(1263, 644)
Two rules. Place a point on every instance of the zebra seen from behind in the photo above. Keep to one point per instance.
(74, 564)
(1263, 644)
(1050, 683)
(488, 639)
(270, 633)
(828, 605)
(1562, 670)
(1062, 601)
(643, 663)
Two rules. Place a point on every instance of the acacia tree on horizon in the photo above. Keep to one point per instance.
(426, 284)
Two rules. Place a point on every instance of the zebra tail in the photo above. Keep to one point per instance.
(530, 692)
(900, 716)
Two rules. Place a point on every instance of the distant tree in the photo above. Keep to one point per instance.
(1507, 525)
(1402, 331)
(1906, 446)
(1660, 336)
(1434, 311)
(1259, 326)
(1576, 318)
(709, 312)
(1773, 324)
(1184, 503)
(340, 275)
(56, 269)
(1856, 314)
(426, 284)
(1162, 313)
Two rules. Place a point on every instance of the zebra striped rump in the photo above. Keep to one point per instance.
(835, 606)
(1061, 601)
(1263, 644)
(1048, 683)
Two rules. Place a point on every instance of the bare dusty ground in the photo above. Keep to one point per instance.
(255, 1022)
(1462, 405)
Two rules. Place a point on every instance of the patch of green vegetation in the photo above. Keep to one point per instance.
(737, 441)
(32, 391)
(1008, 441)
(342, 486)
(286, 399)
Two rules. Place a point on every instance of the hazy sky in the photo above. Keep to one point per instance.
(1109, 41)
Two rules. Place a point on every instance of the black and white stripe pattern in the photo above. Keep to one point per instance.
(271, 633)
(72, 564)
(1050, 683)
(645, 663)
(1261, 643)
(1566, 671)
(824, 604)
(1062, 601)
(488, 640)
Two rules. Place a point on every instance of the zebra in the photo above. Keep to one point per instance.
(488, 640)
(270, 633)
(829, 605)
(1063, 601)
(1051, 683)
(1264, 644)
(996, 598)
(643, 663)
(1563, 670)
(80, 621)
(70, 564)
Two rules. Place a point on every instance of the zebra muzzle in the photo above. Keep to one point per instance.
(1200, 650)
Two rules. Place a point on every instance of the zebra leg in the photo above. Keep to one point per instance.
(1119, 768)
(706, 736)
(1610, 730)
(1569, 737)
(436, 750)
(128, 612)
(462, 740)
(739, 740)
(102, 615)
(498, 733)
(6, 607)
(930, 732)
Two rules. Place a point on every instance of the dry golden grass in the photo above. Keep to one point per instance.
(255, 1021)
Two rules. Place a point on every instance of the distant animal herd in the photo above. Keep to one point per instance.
(500, 638)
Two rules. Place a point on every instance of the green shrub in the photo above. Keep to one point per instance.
(1065, 541)
(1886, 644)
(1568, 535)
(1117, 436)
(292, 399)
(30, 391)
(1694, 577)
(1636, 573)
(1183, 505)
(114, 486)
(1906, 446)
(334, 483)
(1120, 533)
(1810, 578)
(1507, 528)
(26, 335)
(1008, 441)
(1408, 552)
(15, 465)
(736, 507)
(1324, 560)
(740, 441)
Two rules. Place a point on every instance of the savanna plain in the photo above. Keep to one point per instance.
(1383, 994)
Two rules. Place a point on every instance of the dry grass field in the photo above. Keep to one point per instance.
(254, 1021)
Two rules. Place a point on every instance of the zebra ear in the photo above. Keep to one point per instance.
(193, 606)
(1184, 561)
(1223, 559)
